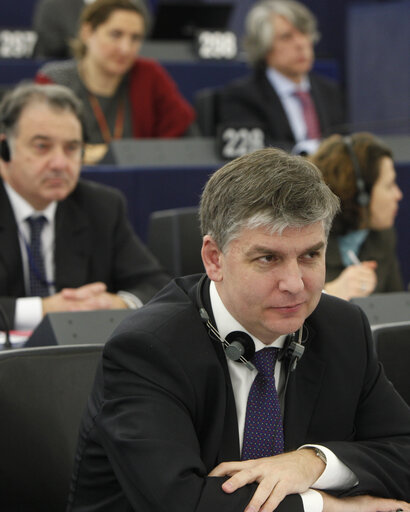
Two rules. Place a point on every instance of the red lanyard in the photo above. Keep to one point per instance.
(102, 122)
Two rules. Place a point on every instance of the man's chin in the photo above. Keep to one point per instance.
(58, 193)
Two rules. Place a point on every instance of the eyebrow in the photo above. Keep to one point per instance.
(46, 138)
(261, 249)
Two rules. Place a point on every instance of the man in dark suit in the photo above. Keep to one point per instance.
(90, 257)
(290, 103)
(170, 424)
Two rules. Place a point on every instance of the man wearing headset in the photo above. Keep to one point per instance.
(90, 257)
(170, 424)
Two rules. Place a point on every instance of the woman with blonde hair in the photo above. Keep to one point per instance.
(361, 254)
(123, 95)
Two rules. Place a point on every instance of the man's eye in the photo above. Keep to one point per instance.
(311, 255)
(268, 258)
(41, 146)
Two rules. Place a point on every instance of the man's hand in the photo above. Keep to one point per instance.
(85, 298)
(354, 281)
(362, 504)
(278, 476)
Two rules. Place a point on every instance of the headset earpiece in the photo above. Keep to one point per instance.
(5, 150)
(362, 196)
(240, 345)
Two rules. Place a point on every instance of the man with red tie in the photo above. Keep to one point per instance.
(282, 96)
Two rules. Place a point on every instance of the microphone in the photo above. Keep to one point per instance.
(7, 342)
(293, 349)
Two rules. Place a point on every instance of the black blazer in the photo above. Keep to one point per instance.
(94, 241)
(162, 411)
(253, 100)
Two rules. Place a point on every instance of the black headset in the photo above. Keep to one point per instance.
(362, 195)
(5, 150)
(5, 122)
(240, 347)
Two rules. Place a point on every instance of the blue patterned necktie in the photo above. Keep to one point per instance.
(38, 283)
(263, 432)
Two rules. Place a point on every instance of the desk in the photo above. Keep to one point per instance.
(160, 188)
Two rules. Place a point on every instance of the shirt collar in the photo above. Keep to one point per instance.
(283, 86)
(22, 209)
(226, 323)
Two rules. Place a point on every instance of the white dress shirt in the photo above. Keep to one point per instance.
(285, 89)
(336, 474)
(29, 310)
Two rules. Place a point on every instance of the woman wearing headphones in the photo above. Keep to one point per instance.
(124, 95)
(361, 254)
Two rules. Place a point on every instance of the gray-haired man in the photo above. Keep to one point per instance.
(282, 96)
(171, 421)
(85, 255)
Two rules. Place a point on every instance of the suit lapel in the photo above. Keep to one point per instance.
(229, 443)
(11, 265)
(229, 448)
(278, 122)
(304, 386)
(73, 246)
(324, 122)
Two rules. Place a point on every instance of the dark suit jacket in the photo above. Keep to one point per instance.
(253, 100)
(162, 411)
(379, 246)
(94, 241)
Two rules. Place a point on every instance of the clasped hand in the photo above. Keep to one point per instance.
(85, 298)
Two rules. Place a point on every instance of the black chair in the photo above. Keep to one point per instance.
(206, 104)
(392, 343)
(43, 392)
(174, 238)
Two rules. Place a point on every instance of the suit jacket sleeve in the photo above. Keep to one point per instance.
(378, 447)
(95, 242)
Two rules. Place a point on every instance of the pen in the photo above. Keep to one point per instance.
(353, 258)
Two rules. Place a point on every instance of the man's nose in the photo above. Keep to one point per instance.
(292, 278)
(59, 159)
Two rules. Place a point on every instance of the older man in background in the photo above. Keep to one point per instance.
(282, 96)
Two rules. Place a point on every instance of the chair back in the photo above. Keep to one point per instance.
(43, 392)
(385, 308)
(206, 103)
(392, 343)
(175, 239)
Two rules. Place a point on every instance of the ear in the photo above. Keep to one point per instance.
(212, 258)
(85, 32)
